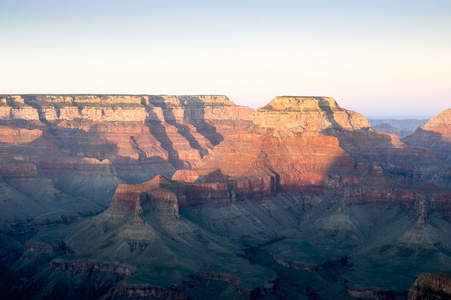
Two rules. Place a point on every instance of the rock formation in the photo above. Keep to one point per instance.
(299, 199)
(308, 113)
(142, 231)
(431, 286)
(261, 165)
(435, 135)
(88, 144)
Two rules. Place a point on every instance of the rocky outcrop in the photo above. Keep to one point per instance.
(161, 194)
(435, 135)
(431, 286)
(259, 165)
(308, 113)
(166, 196)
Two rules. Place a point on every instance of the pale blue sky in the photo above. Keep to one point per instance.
(376, 57)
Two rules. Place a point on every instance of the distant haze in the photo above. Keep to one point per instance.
(400, 117)
(380, 58)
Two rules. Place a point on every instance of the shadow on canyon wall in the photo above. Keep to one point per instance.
(433, 140)
(335, 243)
(194, 115)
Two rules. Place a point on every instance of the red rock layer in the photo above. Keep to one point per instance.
(257, 165)
(18, 141)
(213, 193)
(128, 196)
(380, 196)
(87, 144)
(355, 135)
(124, 129)
(166, 196)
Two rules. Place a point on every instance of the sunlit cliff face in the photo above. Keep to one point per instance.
(308, 113)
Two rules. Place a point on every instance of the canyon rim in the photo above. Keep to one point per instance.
(194, 197)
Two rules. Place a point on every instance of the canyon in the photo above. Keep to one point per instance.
(189, 197)
(400, 127)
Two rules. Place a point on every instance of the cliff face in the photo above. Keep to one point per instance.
(98, 125)
(285, 151)
(355, 136)
(431, 286)
(300, 143)
(259, 165)
(301, 188)
(308, 113)
(435, 135)
(88, 144)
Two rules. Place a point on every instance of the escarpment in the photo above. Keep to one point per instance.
(308, 113)
(196, 197)
(261, 165)
(134, 129)
(88, 144)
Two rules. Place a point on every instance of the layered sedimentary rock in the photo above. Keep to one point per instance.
(285, 152)
(298, 143)
(300, 199)
(127, 128)
(435, 135)
(261, 165)
(88, 144)
(143, 236)
(431, 286)
(308, 113)
(355, 136)
(28, 198)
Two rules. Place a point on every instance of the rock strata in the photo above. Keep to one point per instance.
(257, 165)
(431, 286)
(299, 199)
(435, 135)
(88, 144)
(308, 113)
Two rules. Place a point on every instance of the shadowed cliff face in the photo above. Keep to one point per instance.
(431, 286)
(300, 199)
(435, 135)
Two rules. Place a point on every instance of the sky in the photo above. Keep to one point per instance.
(380, 58)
